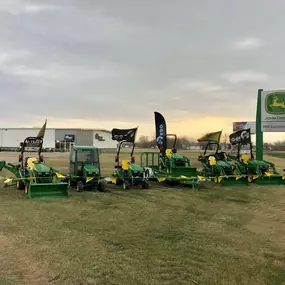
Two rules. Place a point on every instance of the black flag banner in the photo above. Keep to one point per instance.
(128, 135)
(242, 137)
(160, 130)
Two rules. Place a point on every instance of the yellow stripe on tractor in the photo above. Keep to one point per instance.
(59, 176)
(161, 179)
(89, 179)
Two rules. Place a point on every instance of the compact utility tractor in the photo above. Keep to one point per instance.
(260, 172)
(127, 173)
(217, 166)
(32, 175)
(84, 169)
(168, 165)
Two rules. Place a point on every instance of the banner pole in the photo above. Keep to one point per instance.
(259, 133)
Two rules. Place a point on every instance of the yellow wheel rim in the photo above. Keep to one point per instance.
(26, 189)
(17, 183)
(124, 186)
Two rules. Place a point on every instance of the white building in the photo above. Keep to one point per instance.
(58, 138)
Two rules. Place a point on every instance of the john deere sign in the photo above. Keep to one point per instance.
(272, 111)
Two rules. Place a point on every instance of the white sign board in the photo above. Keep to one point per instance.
(273, 111)
(238, 126)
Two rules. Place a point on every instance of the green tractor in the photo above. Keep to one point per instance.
(84, 169)
(260, 172)
(218, 166)
(127, 173)
(168, 165)
(32, 175)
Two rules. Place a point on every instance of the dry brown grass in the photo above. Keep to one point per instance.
(158, 236)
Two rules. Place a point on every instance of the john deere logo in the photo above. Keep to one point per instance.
(275, 103)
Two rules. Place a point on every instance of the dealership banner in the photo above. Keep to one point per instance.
(273, 111)
(239, 126)
(240, 137)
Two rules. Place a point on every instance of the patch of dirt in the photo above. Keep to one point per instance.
(17, 264)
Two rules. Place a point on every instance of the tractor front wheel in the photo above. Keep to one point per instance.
(101, 186)
(79, 187)
(145, 184)
(126, 185)
(20, 185)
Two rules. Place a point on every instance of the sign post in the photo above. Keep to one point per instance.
(258, 130)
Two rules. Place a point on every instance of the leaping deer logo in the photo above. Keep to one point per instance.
(277, 104)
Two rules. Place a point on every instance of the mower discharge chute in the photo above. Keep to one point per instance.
(218, 166)
(84, 169)
(128, 173)
(168, 165)
(261, 172)
(32, 175)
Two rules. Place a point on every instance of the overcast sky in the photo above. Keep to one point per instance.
(110, 63)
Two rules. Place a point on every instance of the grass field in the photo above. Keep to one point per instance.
(163, 235)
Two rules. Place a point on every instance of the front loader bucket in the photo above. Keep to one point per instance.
(270, 180)
(232, 181)
(47, 190)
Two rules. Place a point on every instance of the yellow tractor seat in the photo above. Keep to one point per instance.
(31, 162)
(245, 158)
(212, 160)
(168, 152)
(125, 164)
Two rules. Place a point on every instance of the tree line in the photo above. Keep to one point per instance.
(185, 142)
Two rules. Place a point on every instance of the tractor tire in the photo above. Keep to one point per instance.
(126, 185)
(101, 186)
(79, 186)
(20, 185)
(145, 185)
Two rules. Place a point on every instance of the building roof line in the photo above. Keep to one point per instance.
(68, 129)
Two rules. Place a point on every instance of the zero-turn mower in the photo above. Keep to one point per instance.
(127, 173)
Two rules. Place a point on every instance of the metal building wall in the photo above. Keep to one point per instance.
(60, 133)
(84, 137)
(12, 137)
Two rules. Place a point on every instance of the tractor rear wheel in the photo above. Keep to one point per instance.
(126, 185)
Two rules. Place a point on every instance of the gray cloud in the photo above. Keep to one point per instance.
(124, 59)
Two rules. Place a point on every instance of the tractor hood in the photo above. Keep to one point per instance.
(40, 168)
(135, 167)
(223, 163)
(259, 163)
(177, 156)
(91, 169)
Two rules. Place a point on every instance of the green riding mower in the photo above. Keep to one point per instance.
(127, 173)
(218, 166)
(167, 165)
(32, 175)
(84, 169)
(260, 172)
